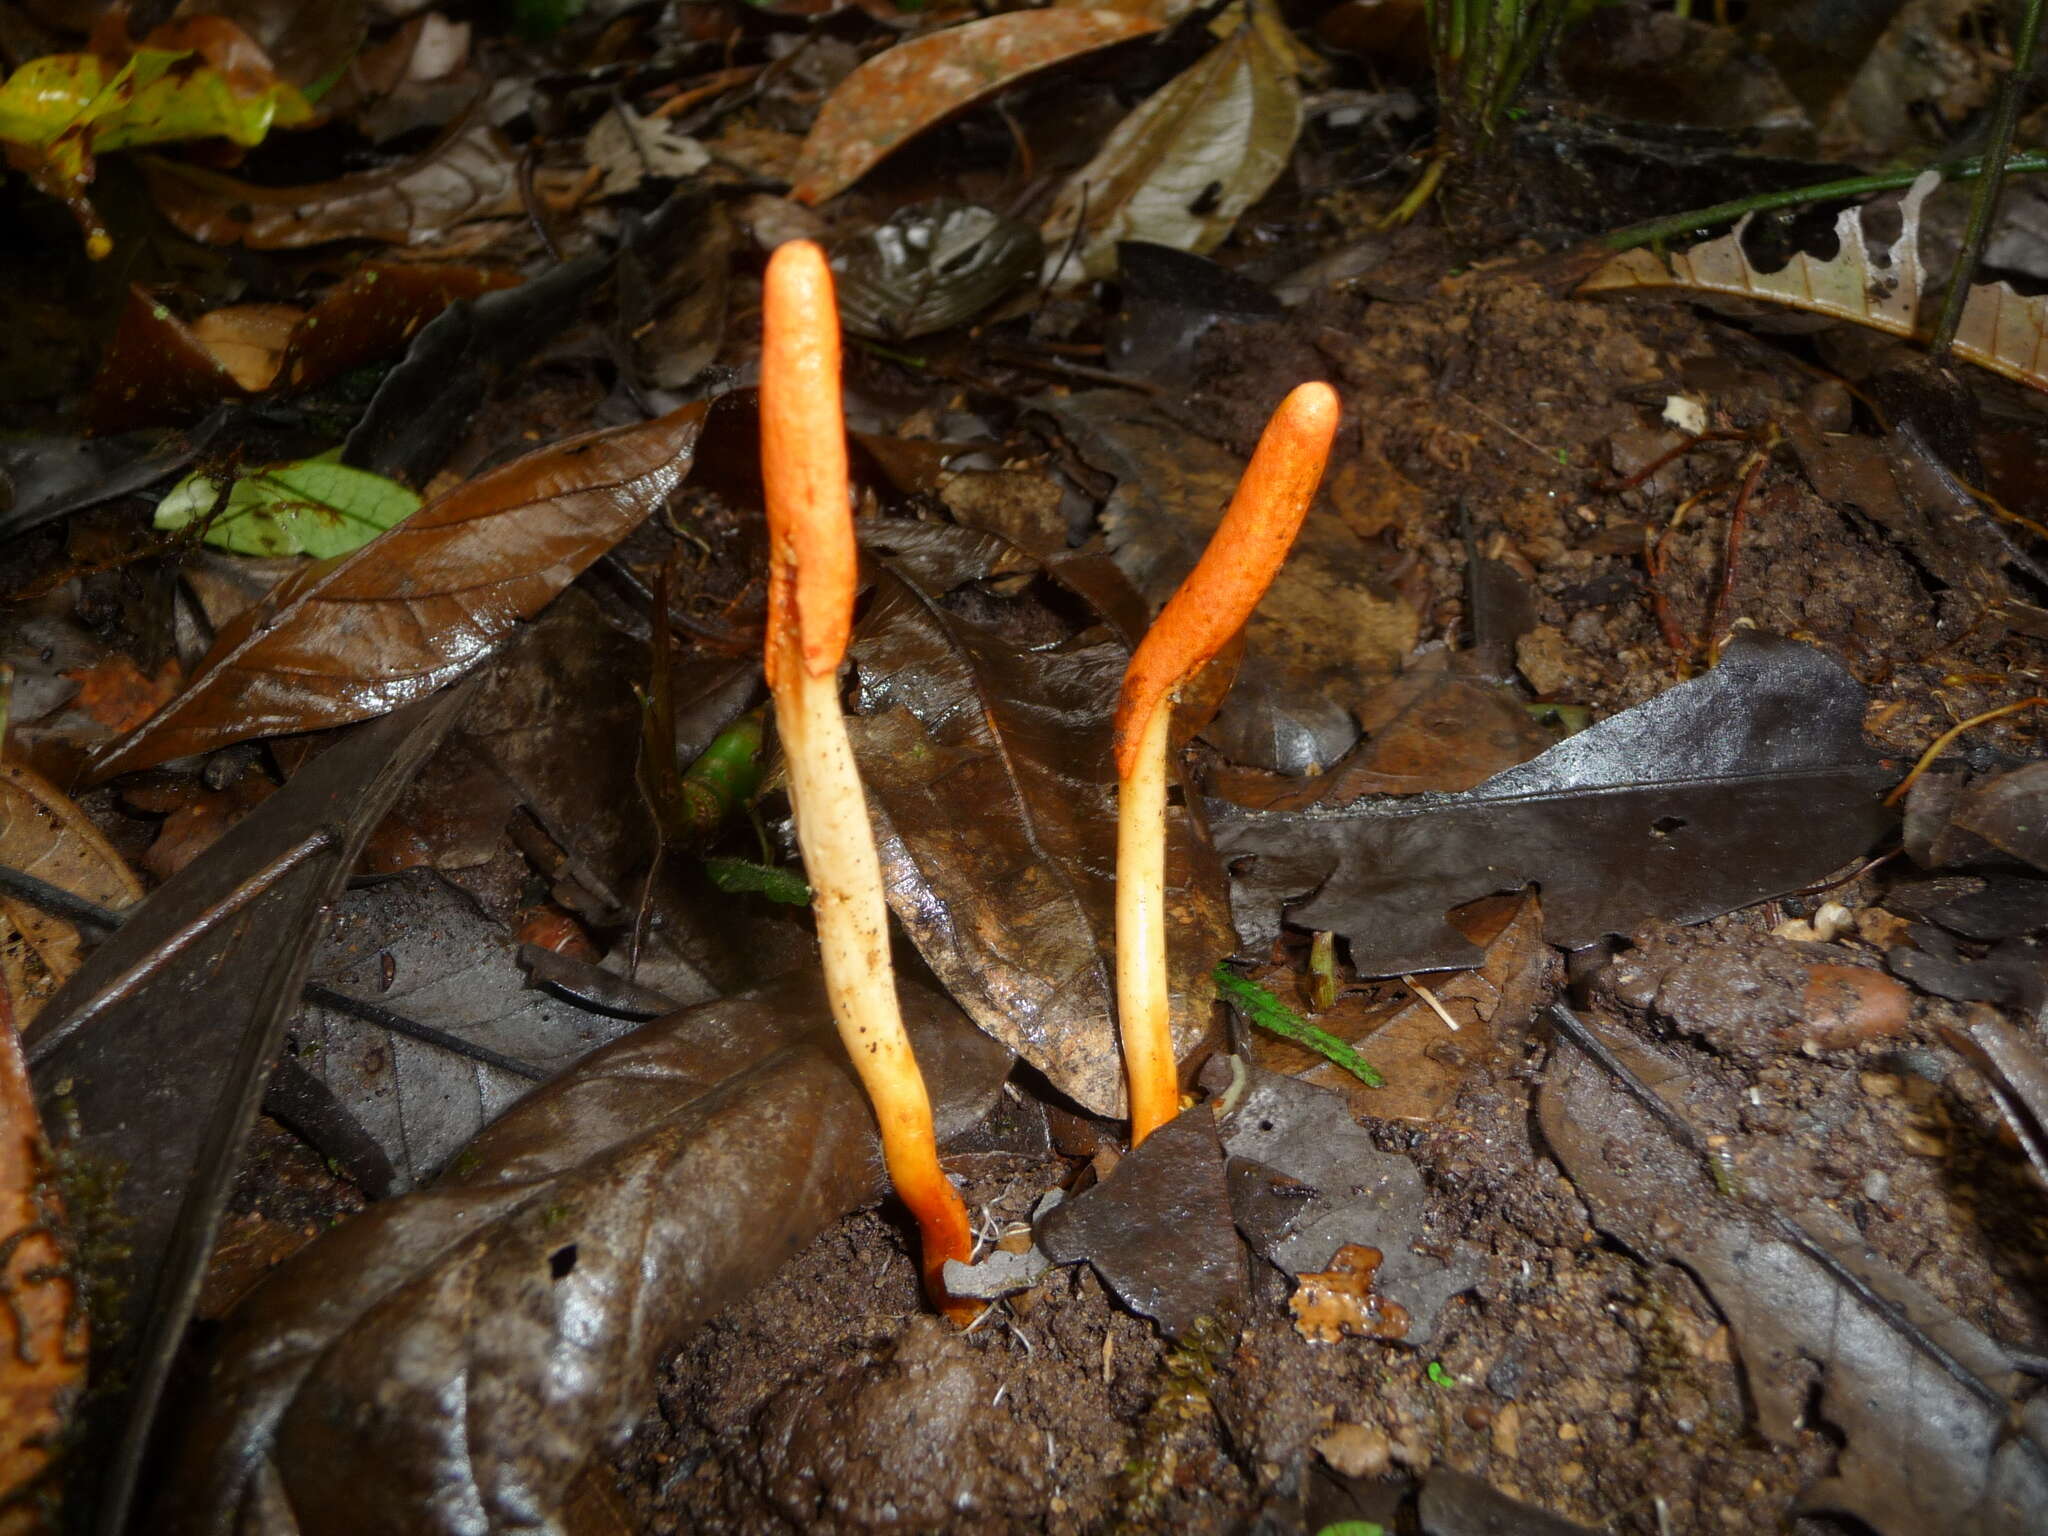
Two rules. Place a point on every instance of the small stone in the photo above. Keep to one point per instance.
(1922, 1143)
(1572, 1472)
(1846, 1005)
(1356, 1450)
(1877, 1186)
(1879, 1085)
(1551, 663)
(1507, 1431)
(1478, 1416)
(1567, 1431)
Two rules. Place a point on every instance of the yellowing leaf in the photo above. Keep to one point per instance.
(316, 507)
(898, 94)
(2000, 330)
(58, 111)
(1184, 166)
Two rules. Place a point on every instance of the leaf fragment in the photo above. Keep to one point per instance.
(898, 94)
(1182, 168)
(361, 633)
(2000, 329)
(313, 507)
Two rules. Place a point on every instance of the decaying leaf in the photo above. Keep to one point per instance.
(1938, 1434)
(150, 1062)
(416, 947)
(467, 175)
(1187, 162)
(930, 267)
(1158, 1230)
(900, 93)
(357, 635)
(43, 834)
(990, 768)
(43, 1323)
(315, 507)
(2000, 330)
(1749, 781)
(462, 1351)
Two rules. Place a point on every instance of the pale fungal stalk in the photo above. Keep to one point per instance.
(1239, 564)
(810, 614)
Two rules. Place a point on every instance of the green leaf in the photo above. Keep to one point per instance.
(744, 877)
(1440, 1376)
(1187, 161)
(1354, 1528)
(314, 507)
(1268, 1012)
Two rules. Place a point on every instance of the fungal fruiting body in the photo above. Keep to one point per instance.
(1239, 564)
(811, 587)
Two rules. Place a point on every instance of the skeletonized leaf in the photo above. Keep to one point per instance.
(898, 94)
(2000, 330)
(456, 1355)
(362, 633)
(1186, 163)
(314, 507)
(44, 834)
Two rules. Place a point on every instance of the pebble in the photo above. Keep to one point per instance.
(1879, 1085)
(1922, 1143)
(1355, 1450)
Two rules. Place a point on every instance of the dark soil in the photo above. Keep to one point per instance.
(1575, 1376)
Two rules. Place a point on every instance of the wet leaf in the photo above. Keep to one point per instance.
(42, 1366)
(467, 175)
(898, 94)
(156, 370)
(930, 267)
(417, 948)
(200, 77)
(1158, 1230)
(1937, 1434)
(43, 834)
(2000, 330)
(1307, 1181)
(989, 769)
(426, 403)
(359, 634)
(150, 1062)
(373, 312)
(1744, 783)
(539, 1285)
(314, 507)
(1186, 163)
(1320, 637)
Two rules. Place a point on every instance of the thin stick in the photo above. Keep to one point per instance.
(1941, 742)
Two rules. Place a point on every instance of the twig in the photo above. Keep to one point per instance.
(1941, 742)
(1738, 519)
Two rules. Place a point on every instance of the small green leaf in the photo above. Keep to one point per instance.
(1268, 1012)
(314, 507)
(744, 877)
(1354, 1528)
(1440, 1376)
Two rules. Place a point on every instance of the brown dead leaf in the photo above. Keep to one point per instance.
(118, 694)
(467, 175)
(42, 1325)
(898, 94)
(248, 340)
(360, 634)
(43, 834)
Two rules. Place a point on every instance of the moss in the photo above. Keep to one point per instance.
(1187, 1379)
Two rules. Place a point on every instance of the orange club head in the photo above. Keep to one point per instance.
(813, 560)
(1239, 564)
